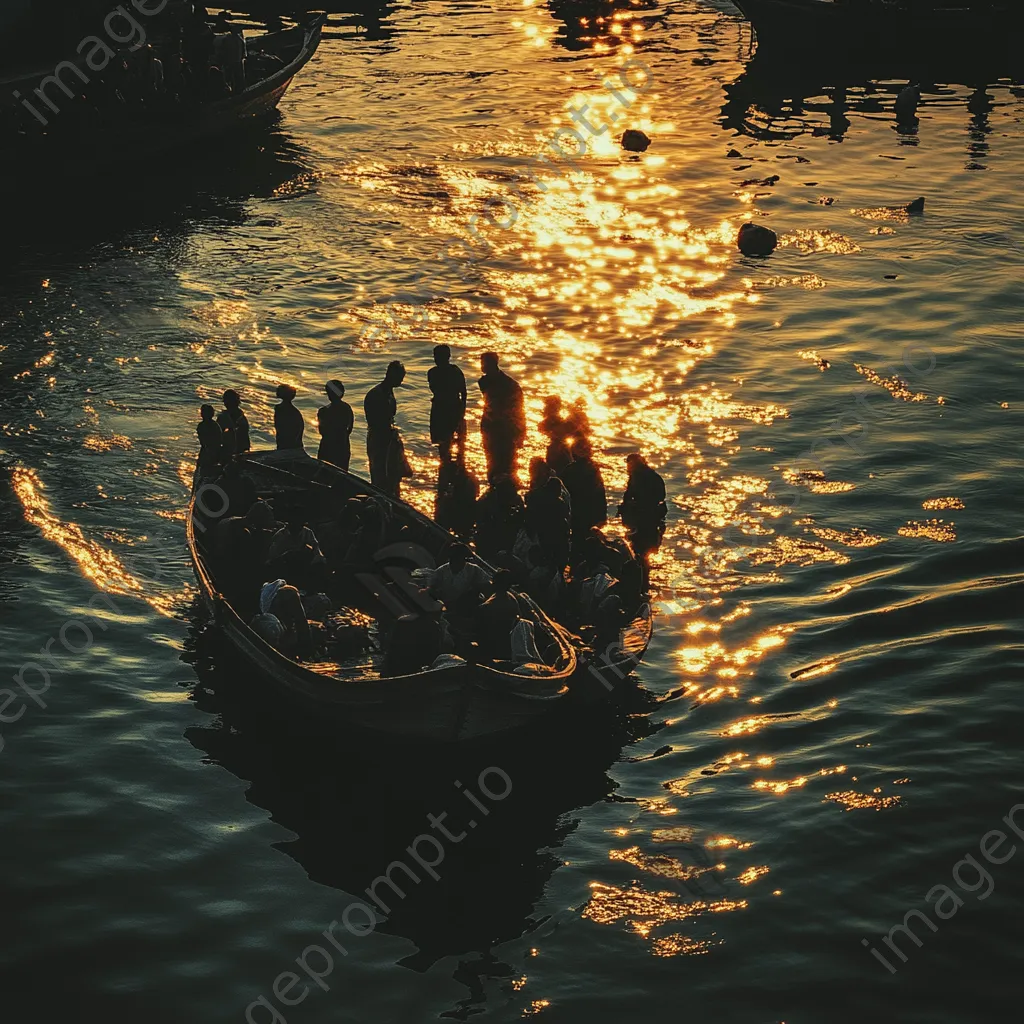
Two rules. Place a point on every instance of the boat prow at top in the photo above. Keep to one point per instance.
(55, 122)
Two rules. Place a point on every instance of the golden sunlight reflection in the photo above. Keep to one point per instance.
(895, 385)
(98, 564)
(937, 530)
(851, 800)
(643, 912)
(781, 786)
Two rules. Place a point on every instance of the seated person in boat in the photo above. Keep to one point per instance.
(217, 87)
(282, 621)
(545, 582)
(295, 555)
(499, 516)
(361, 529)
(241, 544)
(602, 598)
(497, 618)
(229, 52)
(457, 492)
(459, 584)
(414, 642)
(587, 495)
(548, 511)
(629, 588)
(261, 527)
(238, 491)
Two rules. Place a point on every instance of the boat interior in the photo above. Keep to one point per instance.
(368, 593)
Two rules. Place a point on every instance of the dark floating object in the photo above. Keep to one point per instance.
(635, 140)
(906, 104)
(917, 206)
(770, 180)
(734, 154)
(891, 277)
(826, 200)
(755, 240)
(823, 365)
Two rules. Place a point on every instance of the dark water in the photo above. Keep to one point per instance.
(830, 716)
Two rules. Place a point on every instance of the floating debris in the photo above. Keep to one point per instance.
(635, 140)
(756, 240)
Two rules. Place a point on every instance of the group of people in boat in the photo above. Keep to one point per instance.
(547, 541)
(189, 58)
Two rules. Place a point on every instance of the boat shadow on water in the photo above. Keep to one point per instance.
(356, 804)
(54, 227)
(777, 98)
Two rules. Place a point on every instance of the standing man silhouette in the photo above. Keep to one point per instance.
(288, 423)
(503, 423)
(335, 422)
(384, 447)
(234, 424)
(448, 404)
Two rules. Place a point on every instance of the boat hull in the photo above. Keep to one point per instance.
(455, 704)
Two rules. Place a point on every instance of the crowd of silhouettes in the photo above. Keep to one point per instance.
(547, 540)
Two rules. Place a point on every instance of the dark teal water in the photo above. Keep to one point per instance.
(829, 719)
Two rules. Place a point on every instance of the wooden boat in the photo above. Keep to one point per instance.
(456, 701)
(98, 141)
(847, 29)
(608, 662)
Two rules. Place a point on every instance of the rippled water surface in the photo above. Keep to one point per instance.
(829, 718)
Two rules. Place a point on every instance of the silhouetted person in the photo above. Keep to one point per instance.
(548, 515)
(578, 420)
(583, 480)
(497, 617)
(234, 425)
(503, 423)
(384, 447)
(459, 584)
(457, 492)
(643, 507)
(448, 404)
(239, 490)
(288, 423)
(499, 517)
(294, 554)
(335, 422)
(211, 448)
(553, 424)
